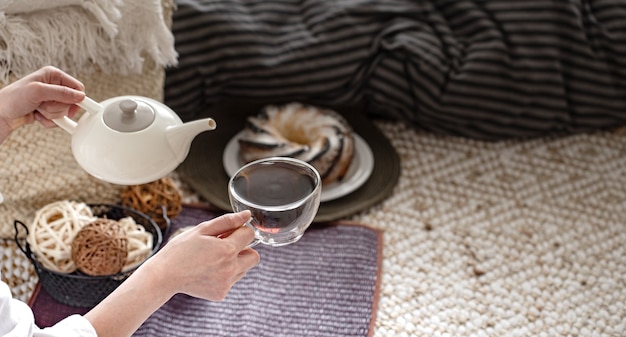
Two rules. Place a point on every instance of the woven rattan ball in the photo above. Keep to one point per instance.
(151, 197)
(100, 248)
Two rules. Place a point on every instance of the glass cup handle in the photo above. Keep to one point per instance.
(256, 240)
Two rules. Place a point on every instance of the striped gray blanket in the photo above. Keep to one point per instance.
(487, 69)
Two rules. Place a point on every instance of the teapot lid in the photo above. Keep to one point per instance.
(128, 115)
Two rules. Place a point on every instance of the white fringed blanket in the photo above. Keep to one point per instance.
(82, 35)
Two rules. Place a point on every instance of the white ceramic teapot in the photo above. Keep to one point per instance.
(131, 140)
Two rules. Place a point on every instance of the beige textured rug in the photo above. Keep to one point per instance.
(504, 239)
(516, 238)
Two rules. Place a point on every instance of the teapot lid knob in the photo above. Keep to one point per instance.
(129, 115)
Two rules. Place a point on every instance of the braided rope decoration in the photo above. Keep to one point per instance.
(52, 231)
(151, 197)
(139, 243)
(100, 248)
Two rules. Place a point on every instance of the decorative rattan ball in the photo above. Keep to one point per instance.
(151, 197)
(100, 248)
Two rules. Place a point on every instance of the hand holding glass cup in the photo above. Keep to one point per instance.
(283, 195)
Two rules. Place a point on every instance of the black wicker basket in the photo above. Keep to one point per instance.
(78, 289)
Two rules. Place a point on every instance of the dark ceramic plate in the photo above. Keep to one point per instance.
(203, 168)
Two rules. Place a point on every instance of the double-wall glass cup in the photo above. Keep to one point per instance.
(283, 195)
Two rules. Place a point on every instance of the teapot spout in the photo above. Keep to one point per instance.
(180, 136)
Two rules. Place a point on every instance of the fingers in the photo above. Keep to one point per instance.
(248, 258)
(55, 101)
(57, 93)
(222, 242)
(242, 236)
(52, 110)
(47, 123)
(224, 224)
(48, 111)
(230, 227)
(56, 76)
(43, 95)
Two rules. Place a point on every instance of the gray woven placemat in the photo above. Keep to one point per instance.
(326, 284)
(323, 285)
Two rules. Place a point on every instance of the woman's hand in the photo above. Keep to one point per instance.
(203, 262)
(43, 95)
(208, 259)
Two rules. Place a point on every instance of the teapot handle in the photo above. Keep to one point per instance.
(68, 124)
(90, 105)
